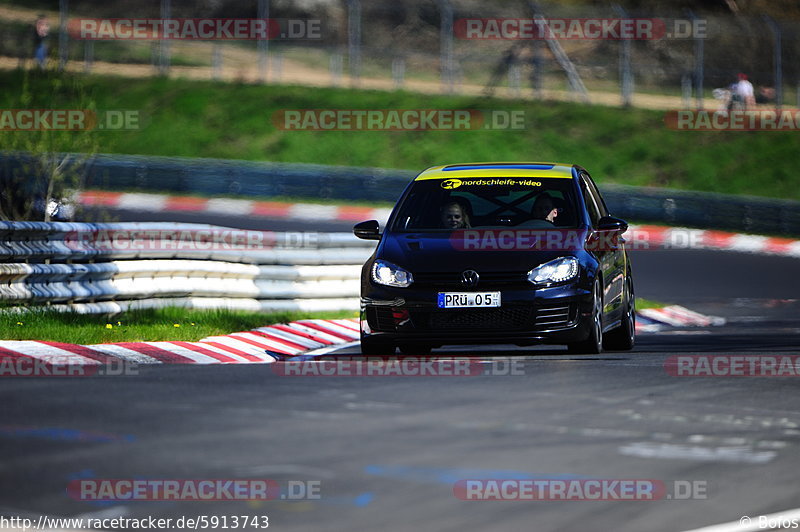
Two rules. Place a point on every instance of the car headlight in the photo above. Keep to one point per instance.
(555, 271)
(388, 274)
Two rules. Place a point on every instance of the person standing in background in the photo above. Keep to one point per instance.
(41, 30)
(743, 92)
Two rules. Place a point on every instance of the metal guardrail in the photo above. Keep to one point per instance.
(219, 177)
(110, 268)
(214, 177)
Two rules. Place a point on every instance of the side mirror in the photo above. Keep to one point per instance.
(369, 230)
(609, 223)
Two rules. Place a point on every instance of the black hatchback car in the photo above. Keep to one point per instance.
(497, 253)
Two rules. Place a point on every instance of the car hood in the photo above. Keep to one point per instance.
(444, 252)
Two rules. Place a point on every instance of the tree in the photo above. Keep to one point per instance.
(42, 161)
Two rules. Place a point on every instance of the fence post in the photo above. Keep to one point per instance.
(277, 66)
(398, 72)
(699, 52)
(686, 91)
(88, 56)
(63, 38)
(625, 74)
(263, 44)
(216, 60)
(776, 35)
(514, 79)
(164, 56)
(537, 70)
(336, 67)
(446, 45)
(354, 40)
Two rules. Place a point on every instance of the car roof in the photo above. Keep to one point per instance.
(468, 170)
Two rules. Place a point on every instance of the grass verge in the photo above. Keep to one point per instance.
(227, 120)
(642, 304)
(152, 325)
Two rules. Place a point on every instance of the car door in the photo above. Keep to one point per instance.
(612, 258)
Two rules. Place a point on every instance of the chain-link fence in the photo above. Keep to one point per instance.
(459, 46)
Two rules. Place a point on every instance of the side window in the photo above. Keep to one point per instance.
(598, 199)
(591, 205)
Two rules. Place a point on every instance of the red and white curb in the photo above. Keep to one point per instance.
(259, 346)
(661, 237)
(638, 237)
(655, 319)
(264, 209)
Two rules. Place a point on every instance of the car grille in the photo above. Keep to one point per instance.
(471, 319)
(439, 280)
(522, 318)
(554, 317)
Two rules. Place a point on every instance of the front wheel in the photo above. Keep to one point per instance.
(623, 337)
(593, 344)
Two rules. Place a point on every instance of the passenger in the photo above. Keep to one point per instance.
(454, 216)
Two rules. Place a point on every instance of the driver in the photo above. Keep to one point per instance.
(543, 213)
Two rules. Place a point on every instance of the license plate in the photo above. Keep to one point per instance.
(468, 299)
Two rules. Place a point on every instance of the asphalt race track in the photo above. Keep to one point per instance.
(387, 451)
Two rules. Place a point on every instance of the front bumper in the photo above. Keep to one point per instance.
(555, 315)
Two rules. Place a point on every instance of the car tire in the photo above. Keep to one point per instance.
(593, 344)
(415, 349)
(623, 338)
(373, 347)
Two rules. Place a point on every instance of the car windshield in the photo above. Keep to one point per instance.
(439, 205)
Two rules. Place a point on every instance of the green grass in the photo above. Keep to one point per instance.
(215, 119)
(642, 304)
(169, 324)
